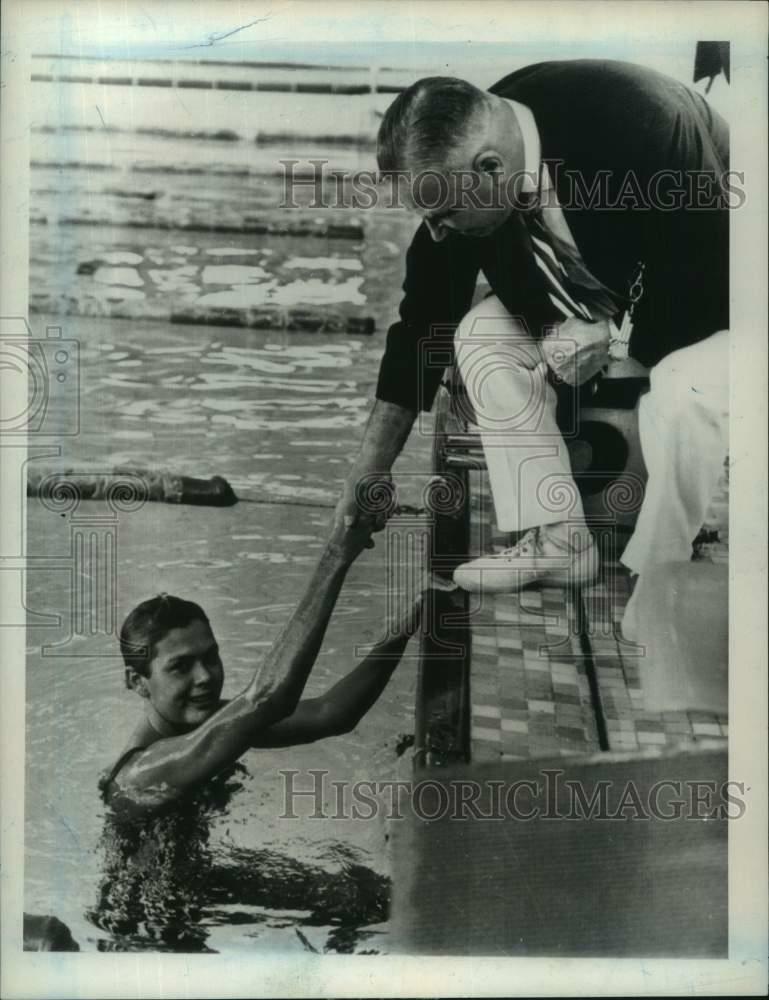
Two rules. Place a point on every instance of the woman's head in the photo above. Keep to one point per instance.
(172, 658)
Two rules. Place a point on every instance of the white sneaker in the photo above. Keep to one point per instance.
(539, 557)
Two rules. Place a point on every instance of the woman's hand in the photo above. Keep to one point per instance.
(350, 537)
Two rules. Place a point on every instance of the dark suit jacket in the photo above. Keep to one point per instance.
(608, 129)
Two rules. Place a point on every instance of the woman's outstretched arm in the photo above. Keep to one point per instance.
(174, 765)
(342, 707)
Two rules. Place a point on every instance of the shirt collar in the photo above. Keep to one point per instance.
(532, 149)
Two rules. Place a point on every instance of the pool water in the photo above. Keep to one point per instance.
(277, 412)
(301, 883)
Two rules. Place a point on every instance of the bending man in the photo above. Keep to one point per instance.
(565, 184)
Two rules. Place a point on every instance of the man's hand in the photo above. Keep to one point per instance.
(366, 501)
(577, 350)
(368, 496)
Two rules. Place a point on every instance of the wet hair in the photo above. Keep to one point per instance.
(426, 121)
(149, 622)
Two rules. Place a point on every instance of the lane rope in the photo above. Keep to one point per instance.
(403, 509)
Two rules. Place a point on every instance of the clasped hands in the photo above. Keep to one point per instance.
(364, 507)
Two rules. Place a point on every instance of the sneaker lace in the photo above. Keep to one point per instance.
(529, 544)
(533, 543)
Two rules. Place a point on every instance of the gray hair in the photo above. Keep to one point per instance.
(426, 121)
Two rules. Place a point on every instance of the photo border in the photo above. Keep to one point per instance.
(144, 975)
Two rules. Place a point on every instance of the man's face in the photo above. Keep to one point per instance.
(472, 193)
(468, 202)
(186, 675)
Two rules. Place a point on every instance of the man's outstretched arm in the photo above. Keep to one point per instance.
(438, 290)
(387, 431)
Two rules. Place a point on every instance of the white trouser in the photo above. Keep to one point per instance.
(683, 425)
(503, 371)
(684, 429)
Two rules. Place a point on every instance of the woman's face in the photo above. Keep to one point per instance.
(186, 675)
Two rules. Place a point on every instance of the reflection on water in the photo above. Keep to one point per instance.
(165, 884)
(258, 883)
(273, 412)
(184, 399)
(279, 414)
(244, 387)
(265, 877)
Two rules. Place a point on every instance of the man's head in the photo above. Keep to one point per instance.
(462, 150)
(172, 658)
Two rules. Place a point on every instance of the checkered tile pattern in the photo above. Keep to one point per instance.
(529, 687)
(529, 692)
(618, 668)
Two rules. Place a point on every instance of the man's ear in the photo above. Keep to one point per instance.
(137, 682)
(489, 161)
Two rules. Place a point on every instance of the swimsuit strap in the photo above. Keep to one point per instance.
(121, 761)
(109, 776)
(141, 738)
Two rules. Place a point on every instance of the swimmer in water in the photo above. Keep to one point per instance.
(189, 734)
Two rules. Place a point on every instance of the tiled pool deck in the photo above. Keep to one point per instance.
(529, 690)
(548, 671)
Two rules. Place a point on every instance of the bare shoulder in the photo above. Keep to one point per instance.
(142, 737)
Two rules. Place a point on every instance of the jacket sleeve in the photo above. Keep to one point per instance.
(438, 291)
